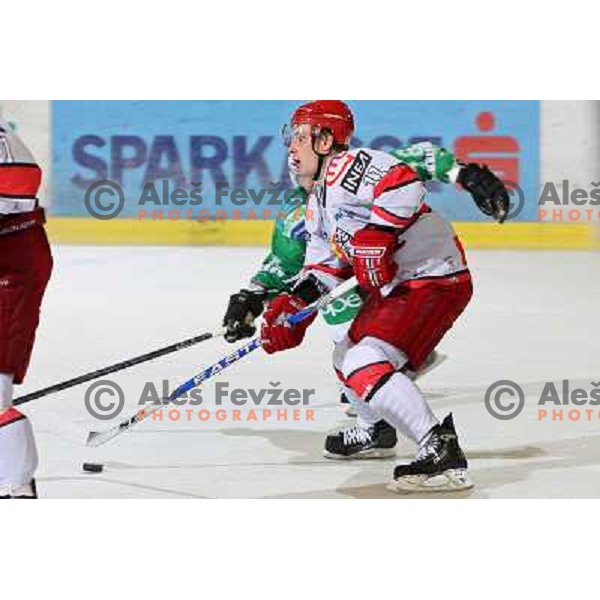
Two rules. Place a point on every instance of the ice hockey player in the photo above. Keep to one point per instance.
(280, 269)
(370, 219)
(25, 266)
(282, 266)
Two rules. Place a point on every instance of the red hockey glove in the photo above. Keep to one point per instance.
(277, 335)
(373, 252)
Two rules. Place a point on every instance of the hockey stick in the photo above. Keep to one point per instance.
(126, 364)
(98, 438)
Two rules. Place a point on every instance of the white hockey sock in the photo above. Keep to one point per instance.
(18, 452)
(6, 391)
(398, 401)
(366, 415)
(402, 405)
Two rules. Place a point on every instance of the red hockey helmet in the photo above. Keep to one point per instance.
(334, 115)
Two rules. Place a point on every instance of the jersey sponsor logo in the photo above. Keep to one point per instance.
(342, 309)
(340, 244)
(356, 172)
(345, 213)
(337, 166)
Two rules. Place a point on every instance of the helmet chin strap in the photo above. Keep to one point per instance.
(321, 158)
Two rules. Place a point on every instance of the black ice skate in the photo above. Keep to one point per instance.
(440, 465)
(362, 441)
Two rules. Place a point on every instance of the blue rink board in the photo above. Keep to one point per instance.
(194, 143)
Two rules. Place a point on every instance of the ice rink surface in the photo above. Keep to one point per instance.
(533, 319)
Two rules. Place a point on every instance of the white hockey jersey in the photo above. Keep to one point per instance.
(365, 186)
(20, 176)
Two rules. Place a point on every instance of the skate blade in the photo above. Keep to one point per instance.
(372, 453)
(452, 480)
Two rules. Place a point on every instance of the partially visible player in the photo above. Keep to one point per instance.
(281, 268)
(371, 219)
(25, 267)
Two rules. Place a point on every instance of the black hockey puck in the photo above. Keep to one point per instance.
(93, 467)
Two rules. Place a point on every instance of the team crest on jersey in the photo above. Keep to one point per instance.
(356, 172)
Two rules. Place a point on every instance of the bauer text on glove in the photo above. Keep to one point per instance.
(373, 256)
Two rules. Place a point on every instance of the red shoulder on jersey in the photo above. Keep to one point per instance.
(397, 177)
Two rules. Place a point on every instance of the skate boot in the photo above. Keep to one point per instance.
(19, 492)
(362, 441)
(440, 465)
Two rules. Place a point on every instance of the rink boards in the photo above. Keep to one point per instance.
(201, 144)
(73, 230)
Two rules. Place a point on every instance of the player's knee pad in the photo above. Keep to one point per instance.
(369, 364)
(6, 391)
(367, 379)
(18, 452)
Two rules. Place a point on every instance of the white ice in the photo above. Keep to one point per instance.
(533, 319)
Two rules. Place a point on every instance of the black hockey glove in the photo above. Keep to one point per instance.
(244, 307)
(489, 193)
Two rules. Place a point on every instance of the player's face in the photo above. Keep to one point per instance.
(303, 181)
(302, 157)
